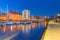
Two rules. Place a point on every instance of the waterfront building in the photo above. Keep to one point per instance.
(3, 17)
(26, 14)
(32, 18)
(15, 16)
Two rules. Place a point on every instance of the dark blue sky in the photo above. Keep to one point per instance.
(37, 7)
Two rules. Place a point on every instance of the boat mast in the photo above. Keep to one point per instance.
(7, 12)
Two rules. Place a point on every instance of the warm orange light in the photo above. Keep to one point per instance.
(19, 27)
(14, 28)
(16, 16)
(23, 27)
(4, 29)
(12, 16)
(3, 17)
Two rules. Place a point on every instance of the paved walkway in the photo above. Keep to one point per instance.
(52, 32)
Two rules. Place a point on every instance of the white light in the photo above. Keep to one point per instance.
(11, 28)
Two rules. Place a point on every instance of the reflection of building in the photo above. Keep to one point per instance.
(26, 14)
(14, 16)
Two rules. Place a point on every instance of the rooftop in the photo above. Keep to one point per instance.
(14, 12)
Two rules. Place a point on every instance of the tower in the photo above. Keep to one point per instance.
(26, 14)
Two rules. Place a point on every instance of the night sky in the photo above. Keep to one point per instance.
(37, 7)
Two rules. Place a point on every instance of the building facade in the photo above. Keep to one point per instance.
(14, 16)
(26, 14)
(3, 17)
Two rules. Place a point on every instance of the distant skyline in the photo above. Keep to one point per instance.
(36, 7)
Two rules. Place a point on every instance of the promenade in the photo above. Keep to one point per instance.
(52, 32)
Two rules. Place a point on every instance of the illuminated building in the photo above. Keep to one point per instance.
(26, 14)
(3, 17)
(15, 16)
(32, 18)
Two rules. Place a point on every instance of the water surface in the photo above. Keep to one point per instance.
(31, 31)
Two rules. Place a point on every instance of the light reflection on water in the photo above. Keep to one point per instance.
(7, 30)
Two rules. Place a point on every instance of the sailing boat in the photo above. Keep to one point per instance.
(8, 22)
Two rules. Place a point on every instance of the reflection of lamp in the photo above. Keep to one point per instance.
(11, 28)
(4, 29)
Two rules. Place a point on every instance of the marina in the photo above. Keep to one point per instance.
(31, 31)
(29, 19)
